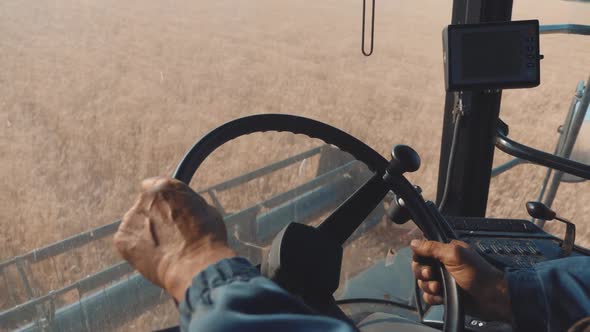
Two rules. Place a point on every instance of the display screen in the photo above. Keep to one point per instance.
(498, 55)
(491, 54)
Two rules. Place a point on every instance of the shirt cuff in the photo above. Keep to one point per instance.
(215, 275)
(529, 308)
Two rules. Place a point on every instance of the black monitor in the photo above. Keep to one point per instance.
(486, 56)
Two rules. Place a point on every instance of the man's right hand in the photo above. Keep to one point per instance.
(485, 288)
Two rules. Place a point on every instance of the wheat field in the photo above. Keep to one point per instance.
(97, 95)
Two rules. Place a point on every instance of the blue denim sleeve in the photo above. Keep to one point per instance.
(231, 295)
(551, 296)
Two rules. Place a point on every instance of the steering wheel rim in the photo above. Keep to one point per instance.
(192, 160)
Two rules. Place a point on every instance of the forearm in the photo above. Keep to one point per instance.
(231, 295)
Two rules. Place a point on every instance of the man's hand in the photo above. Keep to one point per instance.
(484, 285)
(170, 234)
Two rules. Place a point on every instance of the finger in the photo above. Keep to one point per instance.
(143, 202)
(443, 252)
(132, 219)
(187, 210)
(422, 272)
(171, 190)
(156, 183)
(180, 198)
(172, 199)
(163, 184)
(136, 240)
(416, 270)
(459, 243)
(430, 287)
(432, 299)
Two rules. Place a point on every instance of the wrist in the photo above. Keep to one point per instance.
(178, 277)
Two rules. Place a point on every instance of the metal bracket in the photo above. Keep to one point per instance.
(570, 237)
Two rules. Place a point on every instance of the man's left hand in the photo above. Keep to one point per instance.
(170, 234)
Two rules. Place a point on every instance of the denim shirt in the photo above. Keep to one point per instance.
(231, 295)
(551, 296)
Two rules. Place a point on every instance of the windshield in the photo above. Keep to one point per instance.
(537, 116)
(96, 96)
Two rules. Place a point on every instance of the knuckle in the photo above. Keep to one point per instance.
(428, 247)
(431, 287)
(428, 298)
(127, 216)
(457, 251)
(455, 242)
(147, 184)
(425, 287)
(156, 184)
(417, 273)
(432, 299)
(428, 287)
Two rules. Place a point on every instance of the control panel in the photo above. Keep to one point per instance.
(509, 242)
(508, 252)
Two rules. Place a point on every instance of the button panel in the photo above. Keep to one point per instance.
(508, 252)
(530, 50)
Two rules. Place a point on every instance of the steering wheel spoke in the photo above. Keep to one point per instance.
(340, 225)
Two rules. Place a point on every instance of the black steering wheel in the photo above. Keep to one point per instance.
(388, 175)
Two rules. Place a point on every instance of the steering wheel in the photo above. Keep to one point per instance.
(340, 225)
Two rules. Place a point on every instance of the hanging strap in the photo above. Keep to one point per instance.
(363, 50)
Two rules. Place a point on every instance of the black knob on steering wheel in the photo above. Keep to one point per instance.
(403, 159)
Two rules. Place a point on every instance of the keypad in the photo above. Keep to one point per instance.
(508, 252)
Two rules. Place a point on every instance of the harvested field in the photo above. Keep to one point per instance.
(97, 95)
